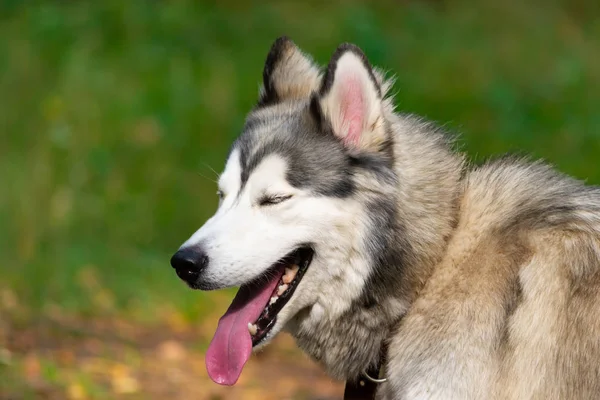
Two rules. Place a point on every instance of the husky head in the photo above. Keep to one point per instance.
(295, 227)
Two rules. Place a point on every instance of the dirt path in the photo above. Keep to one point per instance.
(79, 360)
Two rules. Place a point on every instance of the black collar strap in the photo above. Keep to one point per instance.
(364, 388)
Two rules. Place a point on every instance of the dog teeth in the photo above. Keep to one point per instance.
(281, 289)
(252, 329)
(273, 300)
(290, 274)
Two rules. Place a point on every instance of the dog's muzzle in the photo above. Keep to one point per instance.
(189, 263)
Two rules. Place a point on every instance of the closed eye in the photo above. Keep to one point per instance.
(272, 200)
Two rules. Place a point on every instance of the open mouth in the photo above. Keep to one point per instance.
(291, 269)
(253, 314)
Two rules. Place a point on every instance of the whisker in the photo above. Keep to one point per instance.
(212, 169)
(206, 177)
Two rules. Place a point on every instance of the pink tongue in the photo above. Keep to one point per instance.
(231, 346)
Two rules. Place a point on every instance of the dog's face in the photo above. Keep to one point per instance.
(288, 226)
(269, 207)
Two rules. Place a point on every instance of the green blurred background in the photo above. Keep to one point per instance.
(114, 114)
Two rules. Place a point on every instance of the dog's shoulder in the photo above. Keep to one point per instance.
(545, 227)
(545, 223)
(514, 301)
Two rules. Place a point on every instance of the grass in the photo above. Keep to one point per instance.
(115, 114)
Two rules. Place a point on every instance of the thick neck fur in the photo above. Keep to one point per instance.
(414, 230)
(430, 176)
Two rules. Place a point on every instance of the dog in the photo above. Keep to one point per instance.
(365, 234)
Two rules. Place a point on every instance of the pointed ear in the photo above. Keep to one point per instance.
(350, 100)
(288, 74)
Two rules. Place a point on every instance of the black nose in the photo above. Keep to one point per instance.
(188, 263)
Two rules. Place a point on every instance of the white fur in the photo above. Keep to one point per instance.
(244, 239)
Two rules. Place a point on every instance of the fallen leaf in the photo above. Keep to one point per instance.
(76, 391)
(122, 381)
(65, 357)
(31, 367)
(171, 350)
(125, 384)
(177, 322)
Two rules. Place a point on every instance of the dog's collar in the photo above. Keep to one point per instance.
(366, 386)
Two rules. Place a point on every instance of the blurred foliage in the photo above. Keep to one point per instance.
(115, 114)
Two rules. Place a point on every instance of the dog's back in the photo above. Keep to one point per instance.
(513, 309)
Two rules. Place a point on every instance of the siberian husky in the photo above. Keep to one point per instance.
(358, 229)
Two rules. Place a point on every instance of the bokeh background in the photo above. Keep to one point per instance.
(115, 115)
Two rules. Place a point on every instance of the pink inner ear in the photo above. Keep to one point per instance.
(352, 108)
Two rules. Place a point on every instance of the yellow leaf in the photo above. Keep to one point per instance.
(177, 322)
(122, 381)
(125, 384)
(76, 392)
